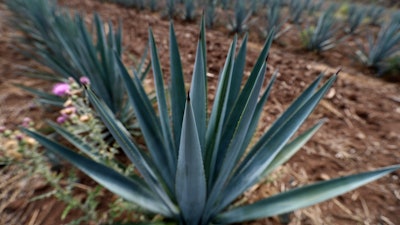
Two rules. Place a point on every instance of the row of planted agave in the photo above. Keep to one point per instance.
(187, 150)
(322, 25)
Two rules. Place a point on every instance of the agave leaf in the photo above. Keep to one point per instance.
(45, 96)
(70, 51)
(162, 107)
(301, 197)
(110, 37)
(291, 148)
(218, 114)
(145, 71)
(116, 87)
(111, 77)
(141, 70)
(238, 69)
(110, 80)
(289, 112)
(237, 106)
(92, 54)
(260, 61)
(293, 120)
(101, 46)
(249, 174)
(149, 123)
(245, 94)
(97, 65)
(37, 74)
(73, 139)
(198, 94)
(132, 189)
(203, 43)
(142, 163)
(257, 114)
(239, 123)
(190, 182)
(118, 39)
(54, 63)
(177, 86)
(49, 102)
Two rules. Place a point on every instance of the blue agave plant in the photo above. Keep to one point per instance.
(382, 52)
(322, 36)
(196, 164)
(355, 17)
(239, 22)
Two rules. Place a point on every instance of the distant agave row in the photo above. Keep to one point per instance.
(318, 34)
(296, 8)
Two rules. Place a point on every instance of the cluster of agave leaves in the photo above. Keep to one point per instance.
(322, 36)
(196, 165)
(61, 40)
(382, 52)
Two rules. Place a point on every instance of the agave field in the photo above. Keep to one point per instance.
(199, 112)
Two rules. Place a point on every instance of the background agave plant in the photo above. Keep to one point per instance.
(130, 3)
(153, 5)
(224, 4)
(65, 44)
(322, 36)
(170, 8)
(375, 14)
(197, 164)
(210, 12)
(239, 22)
(315, 6)
(190, 10)
(296, 10)
(274, 20)
(355, 16)
(382, 51)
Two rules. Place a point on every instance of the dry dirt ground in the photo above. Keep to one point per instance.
(362, 131)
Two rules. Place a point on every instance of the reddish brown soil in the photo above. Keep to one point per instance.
(362, 131)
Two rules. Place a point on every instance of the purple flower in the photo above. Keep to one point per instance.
(84, 80)
(26, 122)
(60, 89)
(19, 137)
(61, 119)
